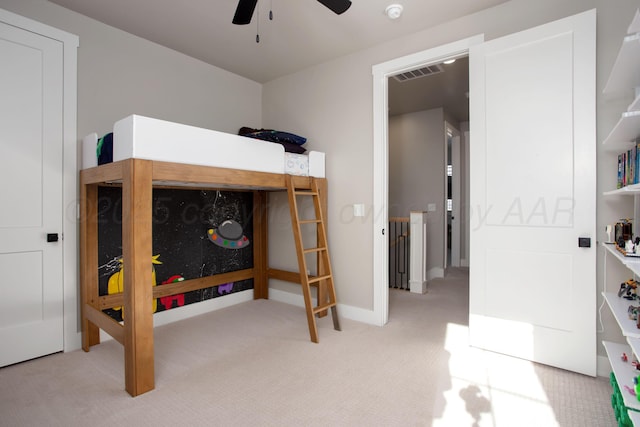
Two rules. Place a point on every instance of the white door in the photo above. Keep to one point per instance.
(31, 307)
(533, 183)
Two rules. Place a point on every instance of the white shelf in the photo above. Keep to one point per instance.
(629, 190)
(623, 76)
(632, 263)
(624, 371)
(619, 308)
(626, 130)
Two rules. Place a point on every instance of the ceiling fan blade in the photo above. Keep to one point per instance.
(337, 6)
(244, 12)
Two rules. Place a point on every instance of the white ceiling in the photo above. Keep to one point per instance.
(303, 32)
(448, 89)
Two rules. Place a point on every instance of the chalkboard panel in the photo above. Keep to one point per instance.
(188, 240)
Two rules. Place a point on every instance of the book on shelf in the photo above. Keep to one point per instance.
(629, 166)
(620, 171)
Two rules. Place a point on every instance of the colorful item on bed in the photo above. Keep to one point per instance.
(292, 143)
(104, 149)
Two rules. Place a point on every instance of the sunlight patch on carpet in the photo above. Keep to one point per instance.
(490, 389)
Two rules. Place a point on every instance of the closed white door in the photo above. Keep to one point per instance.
(31, 306)
(533, 193)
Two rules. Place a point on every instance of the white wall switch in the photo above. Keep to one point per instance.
(358, 209)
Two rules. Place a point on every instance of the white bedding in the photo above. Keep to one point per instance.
(152, 139)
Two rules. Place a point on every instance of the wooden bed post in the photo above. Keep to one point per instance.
(89, 261)
(137, 250)
(260, 252)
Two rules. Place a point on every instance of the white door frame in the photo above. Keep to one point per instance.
(69, 236)
(381, 73)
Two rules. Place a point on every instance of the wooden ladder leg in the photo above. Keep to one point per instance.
(311, 318)
(324, 259)
(302, 263)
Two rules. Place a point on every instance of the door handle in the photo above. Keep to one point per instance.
(52, 237)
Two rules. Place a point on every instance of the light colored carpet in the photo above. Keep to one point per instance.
(253, 364)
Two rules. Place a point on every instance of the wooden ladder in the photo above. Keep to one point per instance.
(324, 280)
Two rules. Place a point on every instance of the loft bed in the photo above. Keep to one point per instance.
(150, 153)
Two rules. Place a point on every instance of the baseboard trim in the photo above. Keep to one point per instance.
(202, 307)
(418, 286)
(435, 273)
(603, 366)
(181, 313)
(347, 311)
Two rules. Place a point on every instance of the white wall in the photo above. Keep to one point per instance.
(332, 105)
(121, 74)
(417, 174)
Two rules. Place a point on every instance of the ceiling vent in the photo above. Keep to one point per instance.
(420, 72)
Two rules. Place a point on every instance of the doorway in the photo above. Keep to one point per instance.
(501, 92)
(382, 72)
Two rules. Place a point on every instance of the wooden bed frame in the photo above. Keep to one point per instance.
(138, 178)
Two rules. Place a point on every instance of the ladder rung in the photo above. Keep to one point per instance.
(323, 307)
(305, 193)
(312, 250)
(309, 221)
(319, 278)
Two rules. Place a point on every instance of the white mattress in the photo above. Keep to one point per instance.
(152, 139)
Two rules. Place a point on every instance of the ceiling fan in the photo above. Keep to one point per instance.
(245, 9)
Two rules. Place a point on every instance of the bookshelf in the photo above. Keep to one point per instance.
(624, 79)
